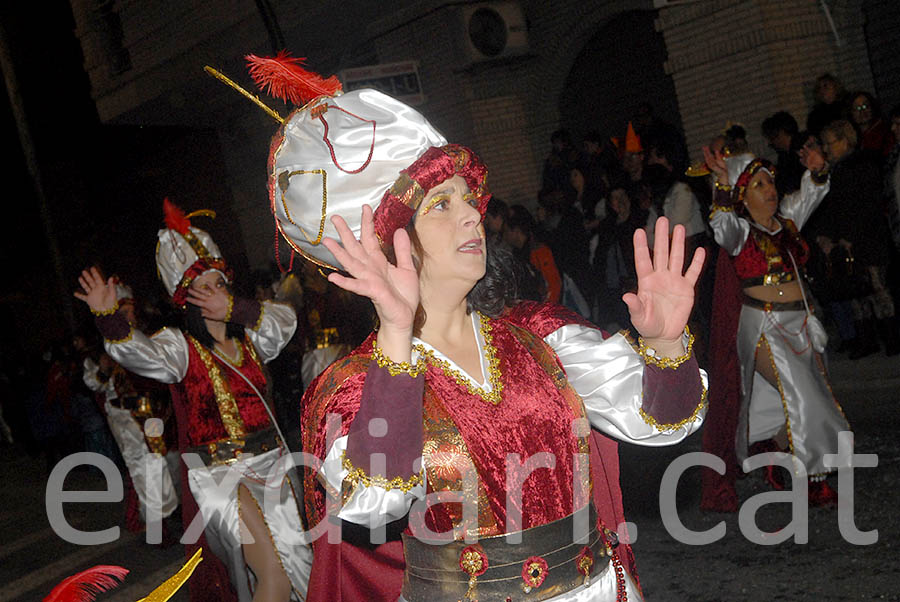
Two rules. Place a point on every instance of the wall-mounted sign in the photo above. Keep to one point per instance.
(400, 80)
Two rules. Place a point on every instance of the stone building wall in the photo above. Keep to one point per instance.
(737, 60)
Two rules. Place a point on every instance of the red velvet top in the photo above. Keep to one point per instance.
(204, 418)
(764, 254)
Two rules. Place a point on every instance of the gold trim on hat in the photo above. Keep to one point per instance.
(283, 183)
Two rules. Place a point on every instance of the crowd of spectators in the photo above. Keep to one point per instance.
(594, 196)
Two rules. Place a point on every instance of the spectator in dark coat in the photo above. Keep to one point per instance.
(850, 224)
(780, 129)
(831, 103)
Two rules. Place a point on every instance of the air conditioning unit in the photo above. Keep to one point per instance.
(493, 30)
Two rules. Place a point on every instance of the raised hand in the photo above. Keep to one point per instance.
(812, 159)
(214, 303)
(715, 161)
(393, 289)
(99, 294)
(665, 296)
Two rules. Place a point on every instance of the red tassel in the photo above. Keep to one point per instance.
(84, 586)
(282, 76)
(175, 218)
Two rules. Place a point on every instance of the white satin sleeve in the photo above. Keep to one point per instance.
(608, 374)
(91, 378)
(276, 325)
(800, 204)
(162, 357)
(371, 506)
(729, 230)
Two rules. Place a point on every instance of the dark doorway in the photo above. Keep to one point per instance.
(882, 27)
(619, 68)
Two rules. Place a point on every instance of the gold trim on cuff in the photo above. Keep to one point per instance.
(650, 357)
(395, 368)
(715, 208)
(106, 312)
(665, 428)
(259, 320)
(125, 339)
(357, 476)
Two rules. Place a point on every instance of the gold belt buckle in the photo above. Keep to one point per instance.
(227, 451)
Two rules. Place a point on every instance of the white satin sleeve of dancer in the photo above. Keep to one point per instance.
(608, 374)
(162, 357)
(800, 204)
(371, 506)
(276, 326)
(729, 230)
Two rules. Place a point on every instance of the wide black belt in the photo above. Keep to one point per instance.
(229, 451)
(548, 562)
(770, 279)
(774, 305)
(124, 403)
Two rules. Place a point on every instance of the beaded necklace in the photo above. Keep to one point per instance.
(493, 396)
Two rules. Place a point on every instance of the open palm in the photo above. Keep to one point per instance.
(665, 296)
(393, 289)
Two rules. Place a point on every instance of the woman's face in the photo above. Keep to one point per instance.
(861, 111)
(826, 91)
(210, 280)
(449, 229)
(761, 198)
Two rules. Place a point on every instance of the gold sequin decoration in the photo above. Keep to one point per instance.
(124, 339)
(259, 320)
(358, 476)
(283, 183)
(493, 396)
(652, 359)
(669, 427)
(228, 410)
(397, 368)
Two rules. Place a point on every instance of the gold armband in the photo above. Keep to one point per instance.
(722, 187)
(651, 358)
(106, 312)
(395, 368)
(357, 476)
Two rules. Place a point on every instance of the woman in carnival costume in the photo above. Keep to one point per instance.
(786, 403)
(128, 402)
(450, 384)
(254, 527)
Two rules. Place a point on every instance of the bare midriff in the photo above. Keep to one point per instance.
(777, 293)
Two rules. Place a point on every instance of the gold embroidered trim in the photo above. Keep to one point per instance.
(722, 187)
(493, 396)
(395, 368)
(230, 308)
(284, 182)
(252, 350)
(716, 208)
(106, 312)
(228, 410)
(122, 340)
(665, 428)
(259, 320)
(358, 476)
(652, 359)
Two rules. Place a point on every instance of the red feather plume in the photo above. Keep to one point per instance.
(84, 586)
(175, 217)
(282, 76)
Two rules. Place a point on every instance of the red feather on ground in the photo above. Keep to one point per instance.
(84, 586)
(282, 76)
